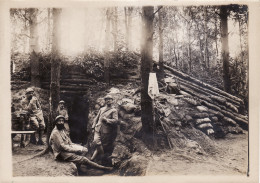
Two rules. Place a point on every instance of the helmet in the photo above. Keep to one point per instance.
(28, 90)
(61, 102)
(108, 97)
(58, 117)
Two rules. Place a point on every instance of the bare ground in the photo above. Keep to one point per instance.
(230, 158)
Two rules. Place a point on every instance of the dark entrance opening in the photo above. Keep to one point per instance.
(78, 111)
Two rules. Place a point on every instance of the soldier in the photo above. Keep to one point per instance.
(33, 107)
(64, 149)
(104, 127)
(61, 110)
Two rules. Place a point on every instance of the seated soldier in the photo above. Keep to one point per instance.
(64, 149)
(32, 106)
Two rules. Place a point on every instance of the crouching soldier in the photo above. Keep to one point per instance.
(64, 149)
(33, 108)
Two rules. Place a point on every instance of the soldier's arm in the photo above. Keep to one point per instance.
(114, 118)
(65, 147)
(96, 119)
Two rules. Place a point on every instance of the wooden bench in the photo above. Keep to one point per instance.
(22, 144)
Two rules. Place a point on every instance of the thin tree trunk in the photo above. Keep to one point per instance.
(49, 30)
(206, 59)
(216, 35)
(189, 50)
(146, 68)
(115, 28)
(34, 48)
(161, 75)
(130, 11)
(128, 25)
(86, 35)
(126, 29)
(107, 42)
(225, 48)
(55, 70)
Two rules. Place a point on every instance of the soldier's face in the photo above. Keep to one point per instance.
(61, 105)
(29, 95)
(60, 124)
(60, 121)
(109, 101)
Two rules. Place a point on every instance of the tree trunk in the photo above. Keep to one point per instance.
(206, 58)
(107, 42)
(86, 34)
(115, 28)
(34, 48)
(225, 48)
(49, 30)
(146, 68)
(161, 45)
(55, 70)
(189, 51)
(128, 25)
(216, 35)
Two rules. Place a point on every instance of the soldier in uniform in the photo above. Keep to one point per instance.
(64, 149)
(61, 110)
(105, 129)
(33, 108)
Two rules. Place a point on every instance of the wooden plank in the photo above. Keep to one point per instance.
(22, 132)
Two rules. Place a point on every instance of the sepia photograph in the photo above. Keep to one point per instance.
(129, 90)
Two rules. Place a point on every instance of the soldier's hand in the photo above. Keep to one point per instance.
(84, 150)
(104, 119)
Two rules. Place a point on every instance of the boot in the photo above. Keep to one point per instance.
(33, 139)
(98, 151)
(40, 142)
(27, 140)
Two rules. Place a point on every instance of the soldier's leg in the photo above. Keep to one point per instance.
(99, 148)
(27, 136)
(35, 127)
(78, 160)
(41, 131)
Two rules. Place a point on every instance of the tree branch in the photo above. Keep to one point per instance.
(157, 10)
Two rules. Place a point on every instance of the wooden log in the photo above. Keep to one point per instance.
(204, 120)
(230, 121)
(206, 99)
(205, 125)
(230, 106)
(220, 100)
(216, 113)
(207, 92)
(241, 122)
(187, 77)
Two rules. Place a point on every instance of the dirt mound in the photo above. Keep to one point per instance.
(182, 123)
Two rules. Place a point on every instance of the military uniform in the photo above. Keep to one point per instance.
(36, 114)
(64, 113)
(105, 132)
(64, 149)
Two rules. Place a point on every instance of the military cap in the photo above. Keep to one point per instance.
(108, 97)
(58, 117)
(62, 101)
(28, 90)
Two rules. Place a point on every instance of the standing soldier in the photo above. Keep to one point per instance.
(104, 126)
(33, 107)
(61, 110)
